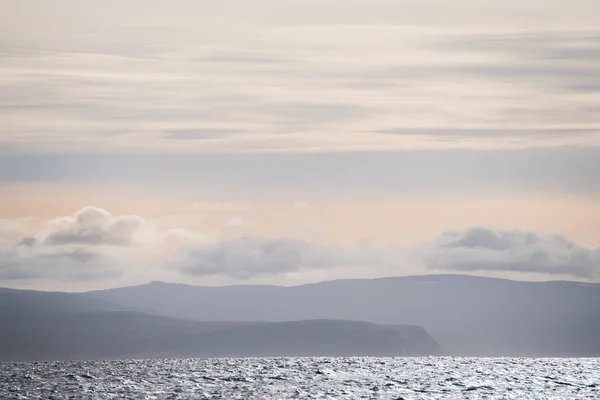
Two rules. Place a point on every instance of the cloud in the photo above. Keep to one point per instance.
(72, 264)
(94, 245)
(245, 58)
(573, 44)
(327, 87)
(248, 257)
(489, 132)
(90, 226)
(12, 229)
(486, 249)
(178, 238)
(89, 245)
(294, 116)
(198, 134)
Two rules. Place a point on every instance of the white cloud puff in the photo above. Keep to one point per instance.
(91, 226)
(91, 244)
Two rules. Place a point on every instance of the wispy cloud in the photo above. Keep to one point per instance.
(198, 134)
(491, 132)
(325, 78)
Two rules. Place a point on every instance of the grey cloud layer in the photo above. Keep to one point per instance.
(485, 249)
(62, 264)
(248, 257)
(559, 170)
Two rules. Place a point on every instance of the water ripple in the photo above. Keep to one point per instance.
(305, 378)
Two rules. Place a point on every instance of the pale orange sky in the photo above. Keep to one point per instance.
(387, 220)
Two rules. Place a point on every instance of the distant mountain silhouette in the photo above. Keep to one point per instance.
(467, 315)
(54, 326)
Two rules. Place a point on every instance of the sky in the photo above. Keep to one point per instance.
(287, 141)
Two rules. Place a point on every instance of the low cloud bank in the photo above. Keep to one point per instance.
(486, 249)
(94, 245)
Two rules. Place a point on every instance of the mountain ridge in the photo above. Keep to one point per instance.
(467, 315)
(393, 277)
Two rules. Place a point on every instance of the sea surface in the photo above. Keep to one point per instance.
(305, 378)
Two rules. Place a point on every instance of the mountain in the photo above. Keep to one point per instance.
(55, 326)
(313, 338)
(467, 315)
(32, 300)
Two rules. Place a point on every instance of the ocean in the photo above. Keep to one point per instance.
(305, 378)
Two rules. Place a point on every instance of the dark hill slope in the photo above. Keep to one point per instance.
(47, 326)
